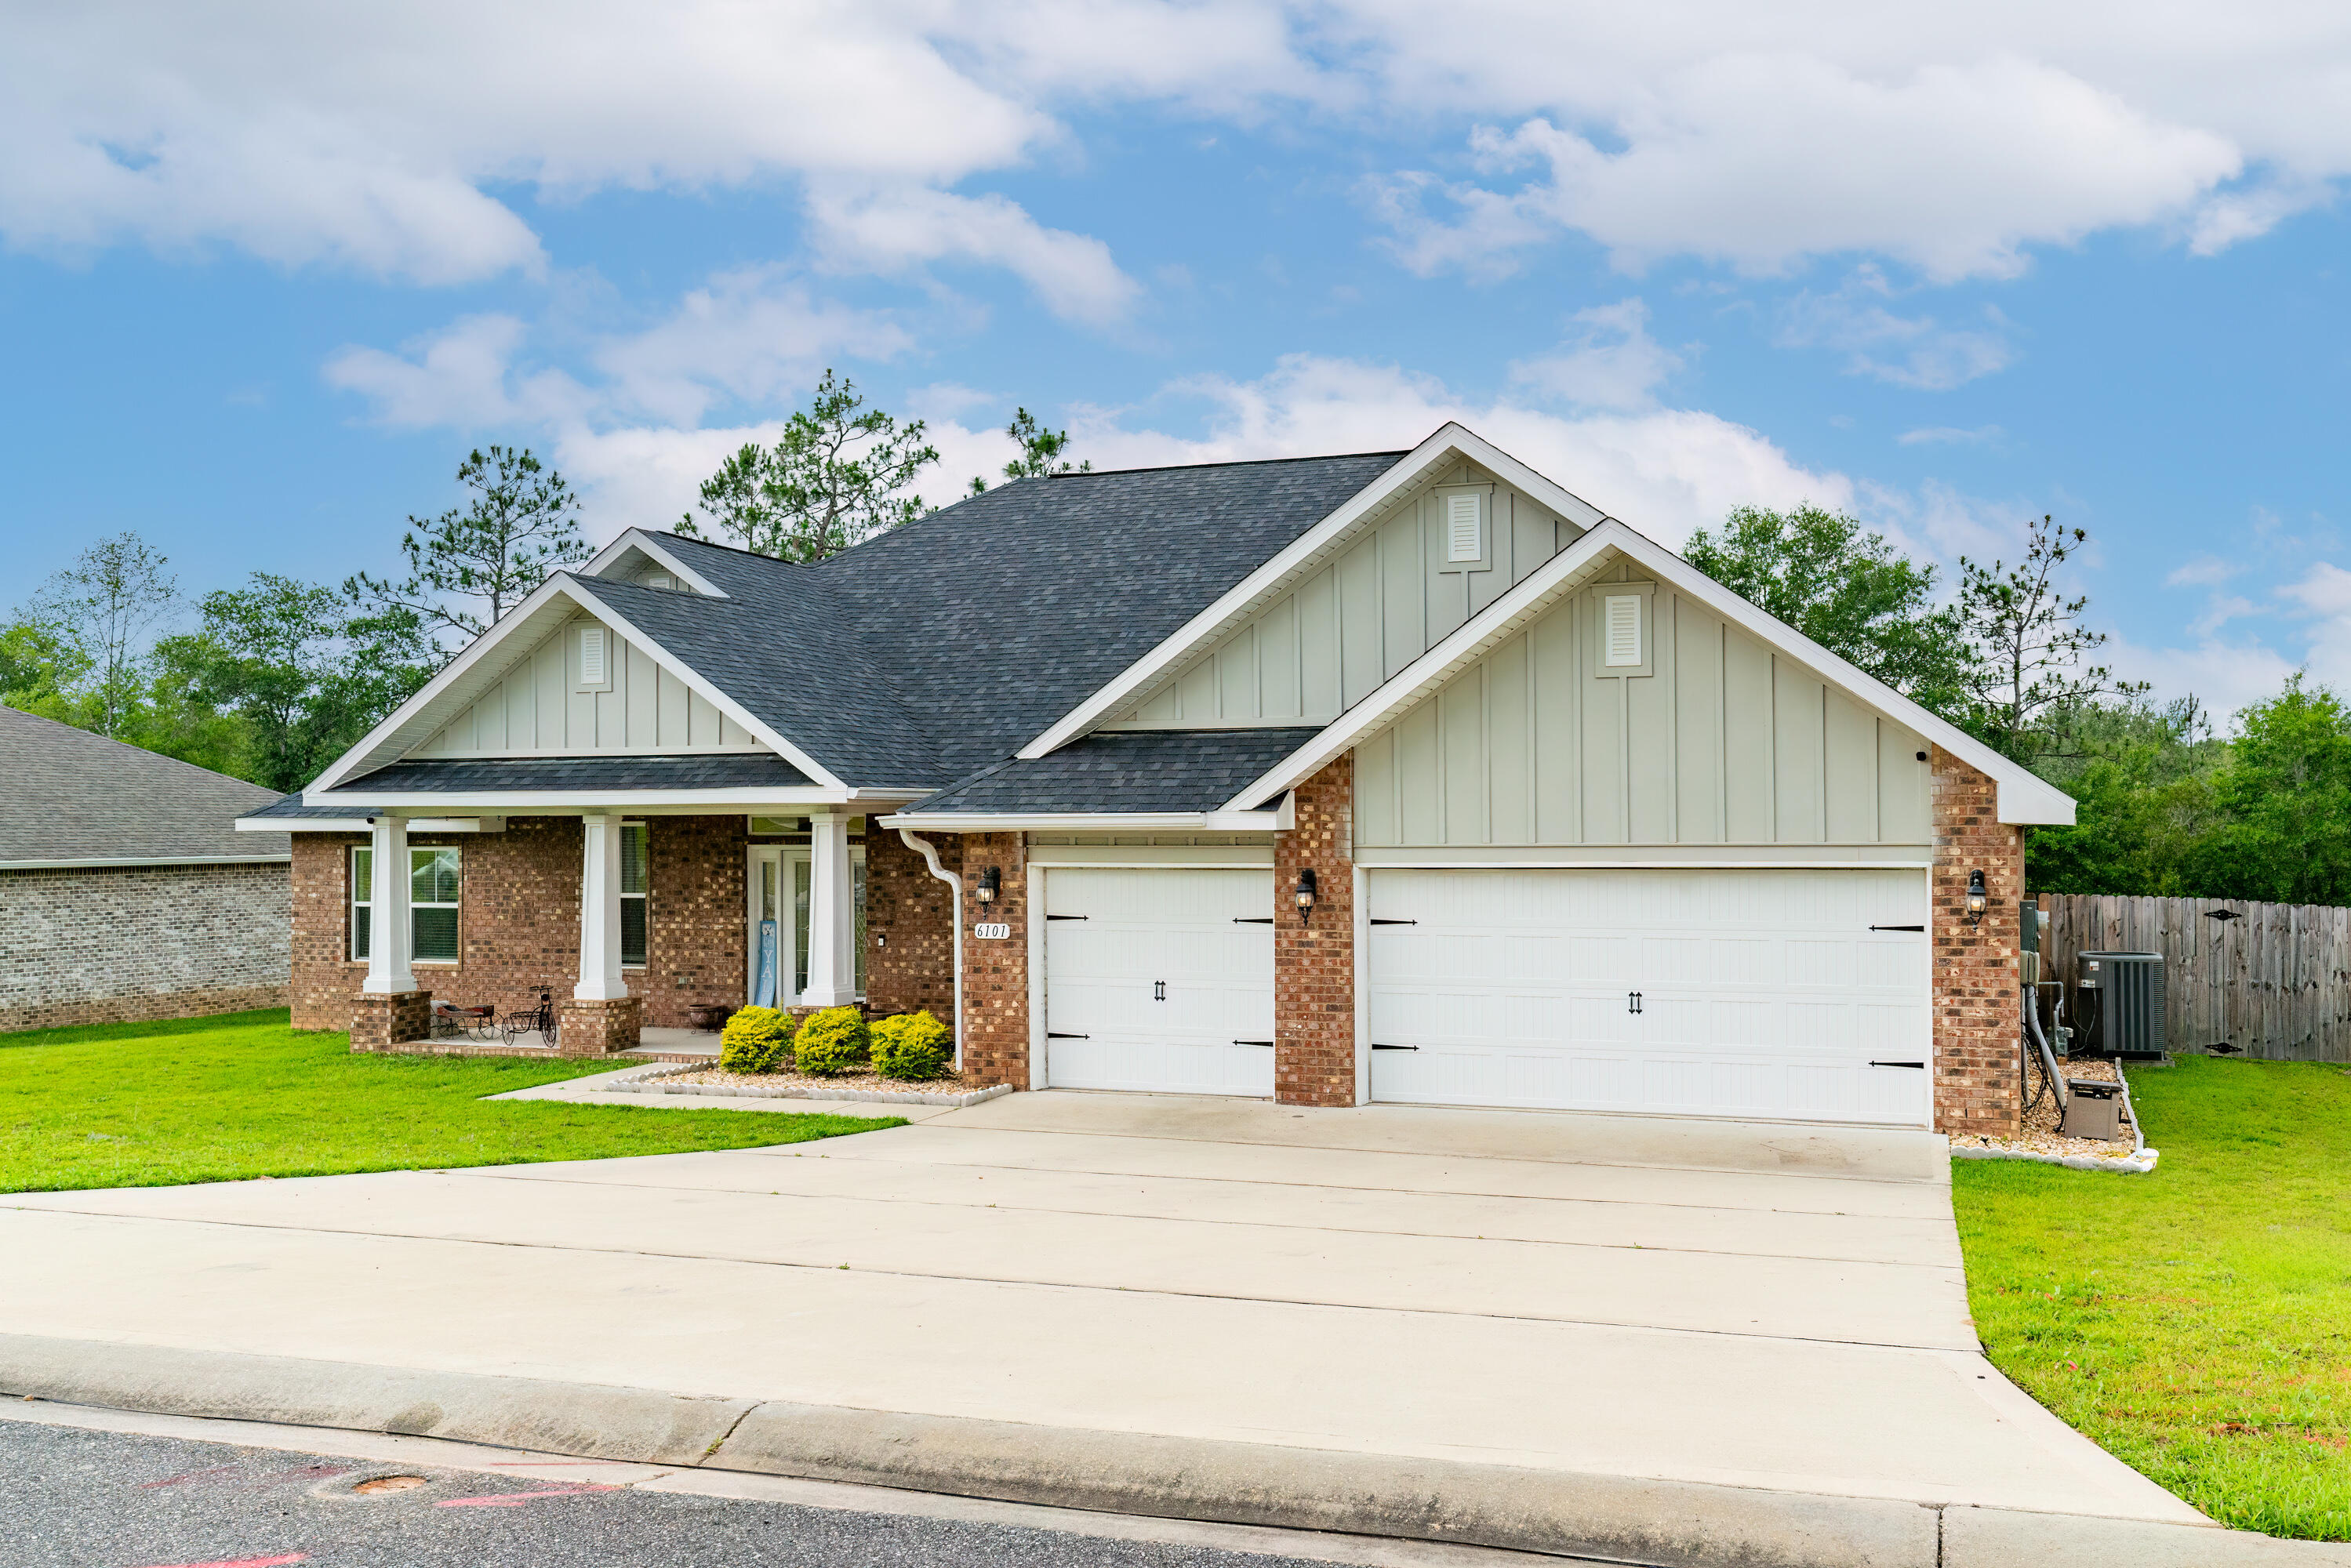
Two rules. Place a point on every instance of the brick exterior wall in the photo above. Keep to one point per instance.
(125, 944)
(1976, 1081)
(379, 1022)
(1314, 960)
(995, 973)
(519, 921)
(910, 927)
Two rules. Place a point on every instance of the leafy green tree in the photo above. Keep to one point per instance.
(2287, 793)
(2027, 682)
(103, 612)
(38, 662)
(470, 565)
(2144, 780)
(840, 473)
(1041, 451)
(303, 674)
(1845, 588)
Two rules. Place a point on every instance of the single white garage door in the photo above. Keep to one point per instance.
(1800, 995)
(1159, 979)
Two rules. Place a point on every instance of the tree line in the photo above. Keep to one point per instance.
(271, 681)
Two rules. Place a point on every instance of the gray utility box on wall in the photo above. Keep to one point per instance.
(2121, 1002)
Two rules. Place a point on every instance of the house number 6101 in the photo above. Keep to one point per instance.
(991, 931)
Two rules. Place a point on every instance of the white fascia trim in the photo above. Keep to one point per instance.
(1278, 821)
(1450, 439)
(2023, 796)
(559, 586)
(484, 824)
(722, 802)
(106, 861)
(650, 544)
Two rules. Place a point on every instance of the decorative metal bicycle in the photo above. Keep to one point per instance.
(543, 1018)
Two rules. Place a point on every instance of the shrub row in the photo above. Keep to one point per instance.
(913, 1047)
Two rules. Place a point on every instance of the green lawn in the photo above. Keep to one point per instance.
(2195, 1323)
(239, 1095)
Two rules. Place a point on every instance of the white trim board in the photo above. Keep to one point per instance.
(550, 604)
(1144, 856)
(1451, 441)
(1279, 819)
(717, 803)
(103, 862)
(2023, 796)
(493, 824)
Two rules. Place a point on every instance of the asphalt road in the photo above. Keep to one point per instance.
(79, 1498)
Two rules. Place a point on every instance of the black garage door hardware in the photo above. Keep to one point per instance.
(1069, 917)
(1252, 919)
(1378, 922)
(1395, 1048)
(1897, 928)
(1917, 1064)
(1267, 1044)
(1050, 1034)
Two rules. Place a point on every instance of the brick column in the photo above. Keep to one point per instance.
(996, 971)
(1314, 959)
(379, 1018)
(598, 1026)
(1977, 1019)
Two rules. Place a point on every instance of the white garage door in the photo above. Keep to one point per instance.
(1159, 979)
(1778, 994)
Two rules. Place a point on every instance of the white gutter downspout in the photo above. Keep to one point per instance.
(930, 854)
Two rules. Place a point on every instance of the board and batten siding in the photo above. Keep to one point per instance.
(1726, 743)
(1332, 641)
(537, 708)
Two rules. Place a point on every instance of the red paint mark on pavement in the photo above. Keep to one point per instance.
(516, 1499)
(213, 1474)
(279, 1562)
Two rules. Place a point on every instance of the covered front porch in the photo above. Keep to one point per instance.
(631, 929)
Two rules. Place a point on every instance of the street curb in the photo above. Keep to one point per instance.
(1612, 1519)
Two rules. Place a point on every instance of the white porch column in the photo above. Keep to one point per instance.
(390, 939)
(833, 916)
(599, 911)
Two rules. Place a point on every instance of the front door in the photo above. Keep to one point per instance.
(1159, 979)
(778, 922)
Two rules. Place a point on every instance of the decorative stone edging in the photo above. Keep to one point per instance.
(2139, 1163)
(646, 1081)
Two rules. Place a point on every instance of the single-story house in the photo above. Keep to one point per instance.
(1395, 776)
(125, 894)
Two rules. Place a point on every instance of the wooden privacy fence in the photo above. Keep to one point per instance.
(2274, 981)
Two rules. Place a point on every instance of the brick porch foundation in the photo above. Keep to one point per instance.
(597, 1027)
(379, 1020)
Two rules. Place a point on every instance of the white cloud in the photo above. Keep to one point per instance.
(1950, 436)
(1611, 363)
(2225, 677)
(1664, 472)
(2204, 572)
(386, 139)
(893, 228)
(1916, 352)
(460, 376)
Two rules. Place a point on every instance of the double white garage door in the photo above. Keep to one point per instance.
(1797, 995)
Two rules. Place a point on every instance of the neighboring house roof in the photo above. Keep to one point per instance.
(1121, 772)
(73, 798)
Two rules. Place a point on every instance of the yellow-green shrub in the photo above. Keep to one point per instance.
(755, 1039)
(912, 1046)
(834, 1040)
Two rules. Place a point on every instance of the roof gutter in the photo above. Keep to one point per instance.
(99, 863)
(1280, 819)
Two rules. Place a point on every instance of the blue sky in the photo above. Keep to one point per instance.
(267, 273)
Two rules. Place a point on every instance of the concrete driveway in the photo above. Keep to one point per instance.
(1741, 1306)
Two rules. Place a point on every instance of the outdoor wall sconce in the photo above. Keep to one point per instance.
(991, 882)
(1305, 894)
(1978, 899)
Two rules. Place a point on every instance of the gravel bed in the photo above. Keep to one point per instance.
(867, 1086)
(2039, 1141)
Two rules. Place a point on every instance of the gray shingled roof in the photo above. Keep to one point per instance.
(1127, 770)
(941, 647)
(68, 795)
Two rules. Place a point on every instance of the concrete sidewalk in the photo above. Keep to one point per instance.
(1523, 1330)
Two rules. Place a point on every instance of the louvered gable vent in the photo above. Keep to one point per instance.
(594, 656)
(1462, 534)
(1620, 630)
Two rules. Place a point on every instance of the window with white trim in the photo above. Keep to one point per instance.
(434, 879)
(633, 882)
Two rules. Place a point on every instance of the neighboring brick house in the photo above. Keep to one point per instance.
(124, 892)
(1387, 777)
